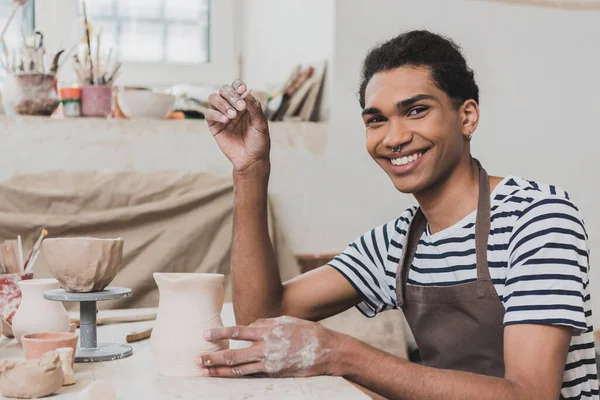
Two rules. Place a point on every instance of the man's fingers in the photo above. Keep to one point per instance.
(232, 97)
(234, 372)
(235, 332)
(256, 113)
(220, 104)
(213, 116)
(239, 86)
(232, 357)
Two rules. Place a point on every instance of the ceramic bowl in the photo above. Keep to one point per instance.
(38, 344)
(83, 264)
(145, 104)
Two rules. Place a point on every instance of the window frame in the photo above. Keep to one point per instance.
(222, 66)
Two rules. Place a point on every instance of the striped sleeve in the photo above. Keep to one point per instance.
(362, 264)
(548, 266)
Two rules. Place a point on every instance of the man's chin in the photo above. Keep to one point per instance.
(408, 184)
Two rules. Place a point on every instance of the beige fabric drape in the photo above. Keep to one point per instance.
(170, 221)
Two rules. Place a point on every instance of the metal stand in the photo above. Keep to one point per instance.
(89, 350)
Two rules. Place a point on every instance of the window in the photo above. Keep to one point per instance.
(159, 42)
(21, 24)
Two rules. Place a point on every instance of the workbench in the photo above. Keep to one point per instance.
(135, 377)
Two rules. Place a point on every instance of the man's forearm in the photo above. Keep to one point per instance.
(396, 378)
(257, 287)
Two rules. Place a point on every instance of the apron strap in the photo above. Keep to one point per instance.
(482, 232)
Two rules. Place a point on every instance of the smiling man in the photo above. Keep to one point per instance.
(491, 273)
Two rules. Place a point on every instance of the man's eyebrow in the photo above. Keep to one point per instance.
(370, 110)
(410, 101)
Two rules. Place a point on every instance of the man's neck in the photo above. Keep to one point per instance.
(452, 199)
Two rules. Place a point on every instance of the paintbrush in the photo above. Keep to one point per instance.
(89, 43)
(34, 250)
(98, 56)
(20, 253)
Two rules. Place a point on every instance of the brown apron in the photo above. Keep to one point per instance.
(456, 327)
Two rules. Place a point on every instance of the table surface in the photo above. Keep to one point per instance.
(136, 377)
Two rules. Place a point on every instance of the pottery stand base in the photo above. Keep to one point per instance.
(89, 350)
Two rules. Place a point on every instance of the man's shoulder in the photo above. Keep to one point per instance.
(519, 196)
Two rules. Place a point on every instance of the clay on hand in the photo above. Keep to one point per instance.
(66, 360)
(31, 379)
(282, 347)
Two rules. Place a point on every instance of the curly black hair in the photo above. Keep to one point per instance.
(421, 48)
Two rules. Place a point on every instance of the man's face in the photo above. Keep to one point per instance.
(404, 108)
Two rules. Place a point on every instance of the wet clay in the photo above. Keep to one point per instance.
(83, 264)
(31, 379)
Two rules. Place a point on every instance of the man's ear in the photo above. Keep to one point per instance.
(469, 117)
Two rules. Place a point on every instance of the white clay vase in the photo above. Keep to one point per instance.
(36, 314)
(189, 304)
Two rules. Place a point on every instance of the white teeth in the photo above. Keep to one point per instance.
(406, 160)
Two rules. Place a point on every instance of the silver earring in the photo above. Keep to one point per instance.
(469, 137)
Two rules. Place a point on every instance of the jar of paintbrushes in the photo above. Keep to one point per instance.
(96, 73)
(15, 265)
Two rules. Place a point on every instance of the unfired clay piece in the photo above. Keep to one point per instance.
(66, 360)
(83, 264)
(101, 390)
(31, 379)
(176, 340)
(6, 329)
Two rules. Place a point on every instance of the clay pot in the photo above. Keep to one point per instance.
(38, 344)
(10, 294)
(36, 314)
(176, 340)
(83, 264)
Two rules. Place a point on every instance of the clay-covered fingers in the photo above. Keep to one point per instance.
(251, 334)
(213, 116)
(234, 372)
(232, 357)
(220, 104)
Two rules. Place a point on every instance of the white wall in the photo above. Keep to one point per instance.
(276, 35)
(538, 74)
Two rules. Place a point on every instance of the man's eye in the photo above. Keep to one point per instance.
(375, 119)
(417, 111)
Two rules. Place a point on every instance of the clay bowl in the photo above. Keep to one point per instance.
(38, 344)
(83, 264)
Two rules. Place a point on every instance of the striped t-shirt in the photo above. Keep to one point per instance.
(537, 256)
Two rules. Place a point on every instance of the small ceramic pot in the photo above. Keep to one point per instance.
(96, 101)
(10, 294)
(36, 314)
(38, 344)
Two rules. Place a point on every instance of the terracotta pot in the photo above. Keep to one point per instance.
(10, 294)
(83, 264)
(36, 314)
(176, 340)
(38, 344)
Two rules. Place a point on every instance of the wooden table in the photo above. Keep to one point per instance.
(135, 377)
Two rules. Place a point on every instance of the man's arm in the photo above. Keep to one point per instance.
(257, 288)
(534, 358)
